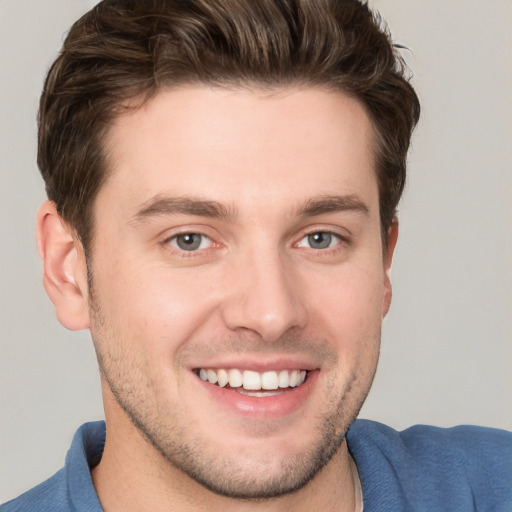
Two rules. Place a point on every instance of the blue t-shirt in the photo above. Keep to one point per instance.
(419, 469)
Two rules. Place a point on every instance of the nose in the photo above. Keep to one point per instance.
(264, 297)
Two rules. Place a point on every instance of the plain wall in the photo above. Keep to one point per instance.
(447, 342)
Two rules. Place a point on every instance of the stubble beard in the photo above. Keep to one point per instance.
(236, 479)
(222, 476)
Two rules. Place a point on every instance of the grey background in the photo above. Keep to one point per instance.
(447, 343)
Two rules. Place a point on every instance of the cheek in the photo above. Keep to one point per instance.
(154, 308)
(348, 304)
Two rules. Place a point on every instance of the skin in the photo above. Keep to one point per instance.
(255, 293)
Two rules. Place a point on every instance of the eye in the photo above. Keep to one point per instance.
(190, 241)
(320, 240)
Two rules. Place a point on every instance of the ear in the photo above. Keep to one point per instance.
(65, 269)
(392, 238)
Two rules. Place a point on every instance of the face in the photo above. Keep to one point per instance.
(238, 283)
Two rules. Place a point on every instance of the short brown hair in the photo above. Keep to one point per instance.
(127, 49)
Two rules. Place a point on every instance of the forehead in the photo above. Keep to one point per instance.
(242, 146)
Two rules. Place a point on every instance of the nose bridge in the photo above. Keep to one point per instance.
(264, 298)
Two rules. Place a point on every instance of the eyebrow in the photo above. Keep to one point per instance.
(191, 205)
(332, 204)
(184, 205)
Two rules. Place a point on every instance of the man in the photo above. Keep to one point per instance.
(223, 180)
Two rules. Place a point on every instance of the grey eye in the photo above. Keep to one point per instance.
(190, 241)
(320, 240)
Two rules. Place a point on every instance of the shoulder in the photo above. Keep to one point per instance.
(430, 442)
(49, 496)
(464, 467)
(70, 489)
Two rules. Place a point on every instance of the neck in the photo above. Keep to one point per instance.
(133, 476)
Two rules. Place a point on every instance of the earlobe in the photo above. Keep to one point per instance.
(64, 267)
(392, 237)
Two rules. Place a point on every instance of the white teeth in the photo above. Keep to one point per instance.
(212, 376)
(235, 378)
(259, 394)
(269, 380)
(284, 379)
(254, 381)
(222, 378)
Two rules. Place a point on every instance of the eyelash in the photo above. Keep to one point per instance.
(331, 234)
(341, 240)
(183, 253)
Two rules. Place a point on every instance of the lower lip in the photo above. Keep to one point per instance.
(266, 407)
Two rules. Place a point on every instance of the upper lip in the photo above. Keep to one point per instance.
(258, 364)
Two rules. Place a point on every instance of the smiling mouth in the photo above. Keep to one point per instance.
(253, 383)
